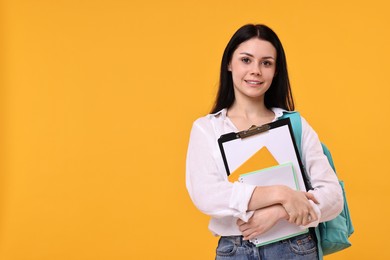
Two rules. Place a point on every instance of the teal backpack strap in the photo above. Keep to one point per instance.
(327, 153)
(296, 123)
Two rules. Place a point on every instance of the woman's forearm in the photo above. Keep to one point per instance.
(295, 203)
(266, 196)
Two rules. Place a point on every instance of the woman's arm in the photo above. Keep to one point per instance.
(261, 221)
(326, 188)
(206, 179)
(265, 218)
(296, 203)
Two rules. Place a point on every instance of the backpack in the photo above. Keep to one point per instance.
(332, 235)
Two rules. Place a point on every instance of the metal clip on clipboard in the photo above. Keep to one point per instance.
(253, 130)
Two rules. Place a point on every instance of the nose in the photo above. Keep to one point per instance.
(256, 69)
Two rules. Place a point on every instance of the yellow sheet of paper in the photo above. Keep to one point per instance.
(260, 160)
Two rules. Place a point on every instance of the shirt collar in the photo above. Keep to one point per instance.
(278, 112)
(221, 112)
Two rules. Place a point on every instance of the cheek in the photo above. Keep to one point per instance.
(272, 73)
(237, 71)
(237, 77)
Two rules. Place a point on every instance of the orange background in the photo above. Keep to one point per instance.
(98, 98)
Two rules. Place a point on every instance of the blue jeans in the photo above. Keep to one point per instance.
(301, 247)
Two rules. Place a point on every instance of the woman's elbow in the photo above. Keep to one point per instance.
(209, 208)
(336, 206)
(339, 205)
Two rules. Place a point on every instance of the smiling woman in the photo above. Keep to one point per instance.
(254, 90)
(253, 68)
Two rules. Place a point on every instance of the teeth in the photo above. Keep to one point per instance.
(253, 82)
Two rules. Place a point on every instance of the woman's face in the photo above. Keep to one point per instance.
(253, 67)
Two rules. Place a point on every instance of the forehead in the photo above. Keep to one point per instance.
(256, 47)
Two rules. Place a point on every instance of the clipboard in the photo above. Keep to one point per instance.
(242, 149)
(250, 150)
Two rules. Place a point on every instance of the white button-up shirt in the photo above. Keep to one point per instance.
(224, 201)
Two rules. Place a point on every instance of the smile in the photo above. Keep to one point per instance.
(253, 82)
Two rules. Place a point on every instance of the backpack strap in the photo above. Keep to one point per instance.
(329, 156)
(296, 123)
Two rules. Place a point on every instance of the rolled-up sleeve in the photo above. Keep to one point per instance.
(207, 185)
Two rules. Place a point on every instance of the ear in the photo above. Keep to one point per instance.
(229, 67)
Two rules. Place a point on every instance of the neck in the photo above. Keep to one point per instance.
(248, 113)
(249, 108)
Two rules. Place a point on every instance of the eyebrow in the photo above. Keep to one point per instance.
(250, 55)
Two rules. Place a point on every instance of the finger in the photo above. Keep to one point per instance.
(245, 227)
(299, 220)
(313, 216)
(247, 234)
(240, 222)
(292, 218)
(306, 220)
(311, 197)
(309, 217)
(303, 216)
(256, 232)
(250, 235)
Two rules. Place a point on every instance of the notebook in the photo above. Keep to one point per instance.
(283, 174)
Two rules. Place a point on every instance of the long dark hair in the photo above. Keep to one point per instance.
(279, 94)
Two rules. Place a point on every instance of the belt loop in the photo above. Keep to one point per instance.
(239, 240)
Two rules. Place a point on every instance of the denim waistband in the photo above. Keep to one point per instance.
(237, 240)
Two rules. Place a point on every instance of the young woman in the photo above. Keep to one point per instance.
(254, 90)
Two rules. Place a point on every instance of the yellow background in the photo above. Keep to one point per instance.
(98, 98)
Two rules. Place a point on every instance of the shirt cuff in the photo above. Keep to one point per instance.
(239, 200)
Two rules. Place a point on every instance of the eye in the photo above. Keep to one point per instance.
(245, 60)
(267, 63)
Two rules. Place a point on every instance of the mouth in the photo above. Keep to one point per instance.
(254, 82)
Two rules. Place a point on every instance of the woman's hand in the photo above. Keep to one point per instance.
(298, 207)
(261, 221)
